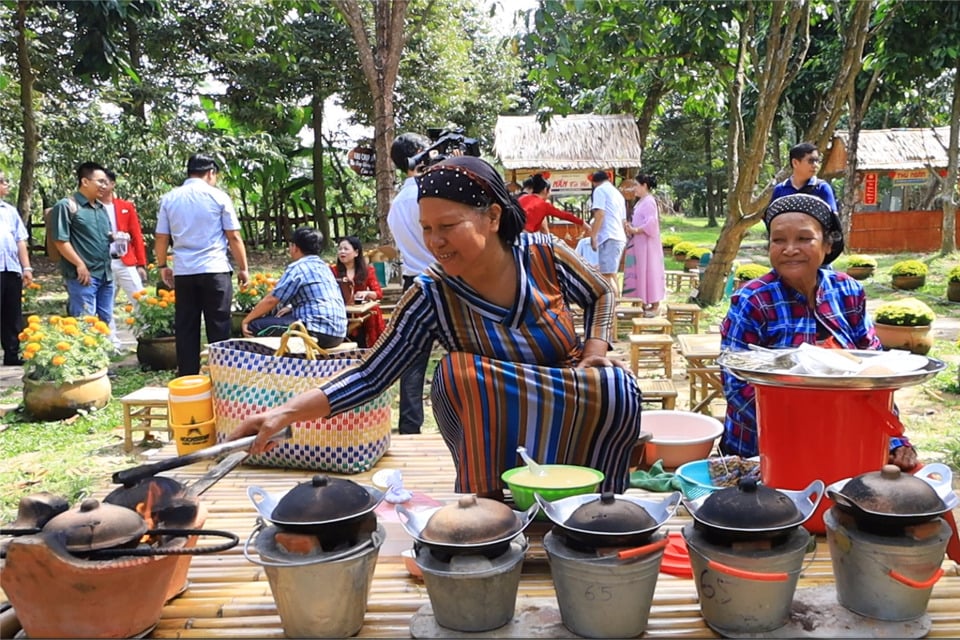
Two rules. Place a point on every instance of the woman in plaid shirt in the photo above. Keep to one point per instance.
(798, 301)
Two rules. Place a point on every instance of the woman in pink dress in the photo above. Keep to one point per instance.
(643, 275)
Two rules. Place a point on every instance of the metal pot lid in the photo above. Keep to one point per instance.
(561, 512)
(608, 514)
(416, 522)
(749, 506)
(93, 526)
(324, 499)
(889, 491)
(471, 520)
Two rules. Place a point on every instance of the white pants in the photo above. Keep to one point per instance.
(128, 279)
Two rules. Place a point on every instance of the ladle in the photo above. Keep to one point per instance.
(535, 468)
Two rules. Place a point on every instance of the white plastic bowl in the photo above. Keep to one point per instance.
(678, 436)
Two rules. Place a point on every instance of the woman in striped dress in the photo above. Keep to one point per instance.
(516, 372)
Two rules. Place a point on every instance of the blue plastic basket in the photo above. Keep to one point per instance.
(695, 479)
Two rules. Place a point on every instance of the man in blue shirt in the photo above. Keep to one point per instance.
(805, 161)
(201, 221)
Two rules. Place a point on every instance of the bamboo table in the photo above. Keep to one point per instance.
(358, 313)
(701, 352)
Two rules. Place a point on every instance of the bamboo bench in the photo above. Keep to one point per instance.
(652, 350)
(658, 391)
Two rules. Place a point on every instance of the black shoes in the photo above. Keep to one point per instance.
(12, 362)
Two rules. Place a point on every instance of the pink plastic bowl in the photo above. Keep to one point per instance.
(678, 436)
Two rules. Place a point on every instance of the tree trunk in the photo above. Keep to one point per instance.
(320, 218)
(949, 243)
(380, 62)
(28, 163)
(712, 207)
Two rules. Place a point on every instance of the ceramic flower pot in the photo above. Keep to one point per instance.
(691, 264)
(46, 400)
(860, 273)
(157, 353)
(953, 291)
(236, 321)
(908, 282)
(914, 339)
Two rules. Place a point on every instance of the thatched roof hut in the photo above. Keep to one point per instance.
(575, 142)
(891, 150)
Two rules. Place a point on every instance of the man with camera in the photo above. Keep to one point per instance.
(404, 222)
(82, 234)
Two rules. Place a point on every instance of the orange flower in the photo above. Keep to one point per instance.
(33, 320)
(63, 346)
(128, 308)
(130, 321)
(54, 320)
(57, 360)
(89, 341)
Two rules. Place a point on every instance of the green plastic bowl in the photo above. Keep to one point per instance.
(523, 495)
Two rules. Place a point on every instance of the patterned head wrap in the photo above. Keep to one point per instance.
(473, 182)
(815, 208)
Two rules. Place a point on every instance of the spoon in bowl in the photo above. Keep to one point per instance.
(535, 468)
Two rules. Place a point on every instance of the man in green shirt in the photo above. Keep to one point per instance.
(81, 231)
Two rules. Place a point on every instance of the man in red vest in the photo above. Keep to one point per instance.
(127, 251)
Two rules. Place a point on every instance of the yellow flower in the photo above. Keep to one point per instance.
(69, 321)
(89, 341)
(71, 330)
(32, 347)
(91, 319)
(33, 320)
(54, 320)
(38, 336)
(28, 355)
(57, 360)
(63, 346)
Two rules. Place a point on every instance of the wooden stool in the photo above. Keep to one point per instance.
(676, 279)
(659, 391)
(654, 349)
(627, 312)
(685, 315)
(630, 302)
(148, 405)
(652, 325)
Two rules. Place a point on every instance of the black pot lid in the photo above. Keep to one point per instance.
(608, 514)
(324, 499)
(889, 491)
(561, 512)
(471, 520)
(93, 526)
(749, 505)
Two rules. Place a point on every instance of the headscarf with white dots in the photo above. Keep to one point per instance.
(473, 182)
(815, 208)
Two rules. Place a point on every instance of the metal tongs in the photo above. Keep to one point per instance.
(130, 477)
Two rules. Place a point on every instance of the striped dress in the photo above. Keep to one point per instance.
(509, 377)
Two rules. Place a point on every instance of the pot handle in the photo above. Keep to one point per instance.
(936, 468)
(779, 576)
(926, 584)
(636, 552)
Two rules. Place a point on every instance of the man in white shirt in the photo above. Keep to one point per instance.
(404, 222)
(607, 235)
(200, 220)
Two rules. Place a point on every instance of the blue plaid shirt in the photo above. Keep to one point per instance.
(309, 287)
(769, 313)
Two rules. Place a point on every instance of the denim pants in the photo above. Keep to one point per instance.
(95, 298)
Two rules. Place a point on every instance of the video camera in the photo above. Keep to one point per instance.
(444, 142)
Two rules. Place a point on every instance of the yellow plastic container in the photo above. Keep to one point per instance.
(189, 400)
(193, 437)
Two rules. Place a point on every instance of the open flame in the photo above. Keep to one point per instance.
(146, 508)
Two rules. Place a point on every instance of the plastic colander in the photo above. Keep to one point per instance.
(695, 479)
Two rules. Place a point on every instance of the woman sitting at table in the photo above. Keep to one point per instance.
(307, 291)
(515, 372)
(798, 301)
(352, 267)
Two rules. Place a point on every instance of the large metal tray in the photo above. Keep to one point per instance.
(810, 381)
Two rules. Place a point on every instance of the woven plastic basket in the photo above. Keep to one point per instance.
(695, 479)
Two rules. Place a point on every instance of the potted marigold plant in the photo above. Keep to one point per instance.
(28, 300)
(953, 284)
(245, 298)
(905, 324)
(152, 320)
(747, 272)
(668, 241)
(681, 248)
(65, 363)
(908, 274)
(860, 267)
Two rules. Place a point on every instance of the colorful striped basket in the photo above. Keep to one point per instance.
(249, 378)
